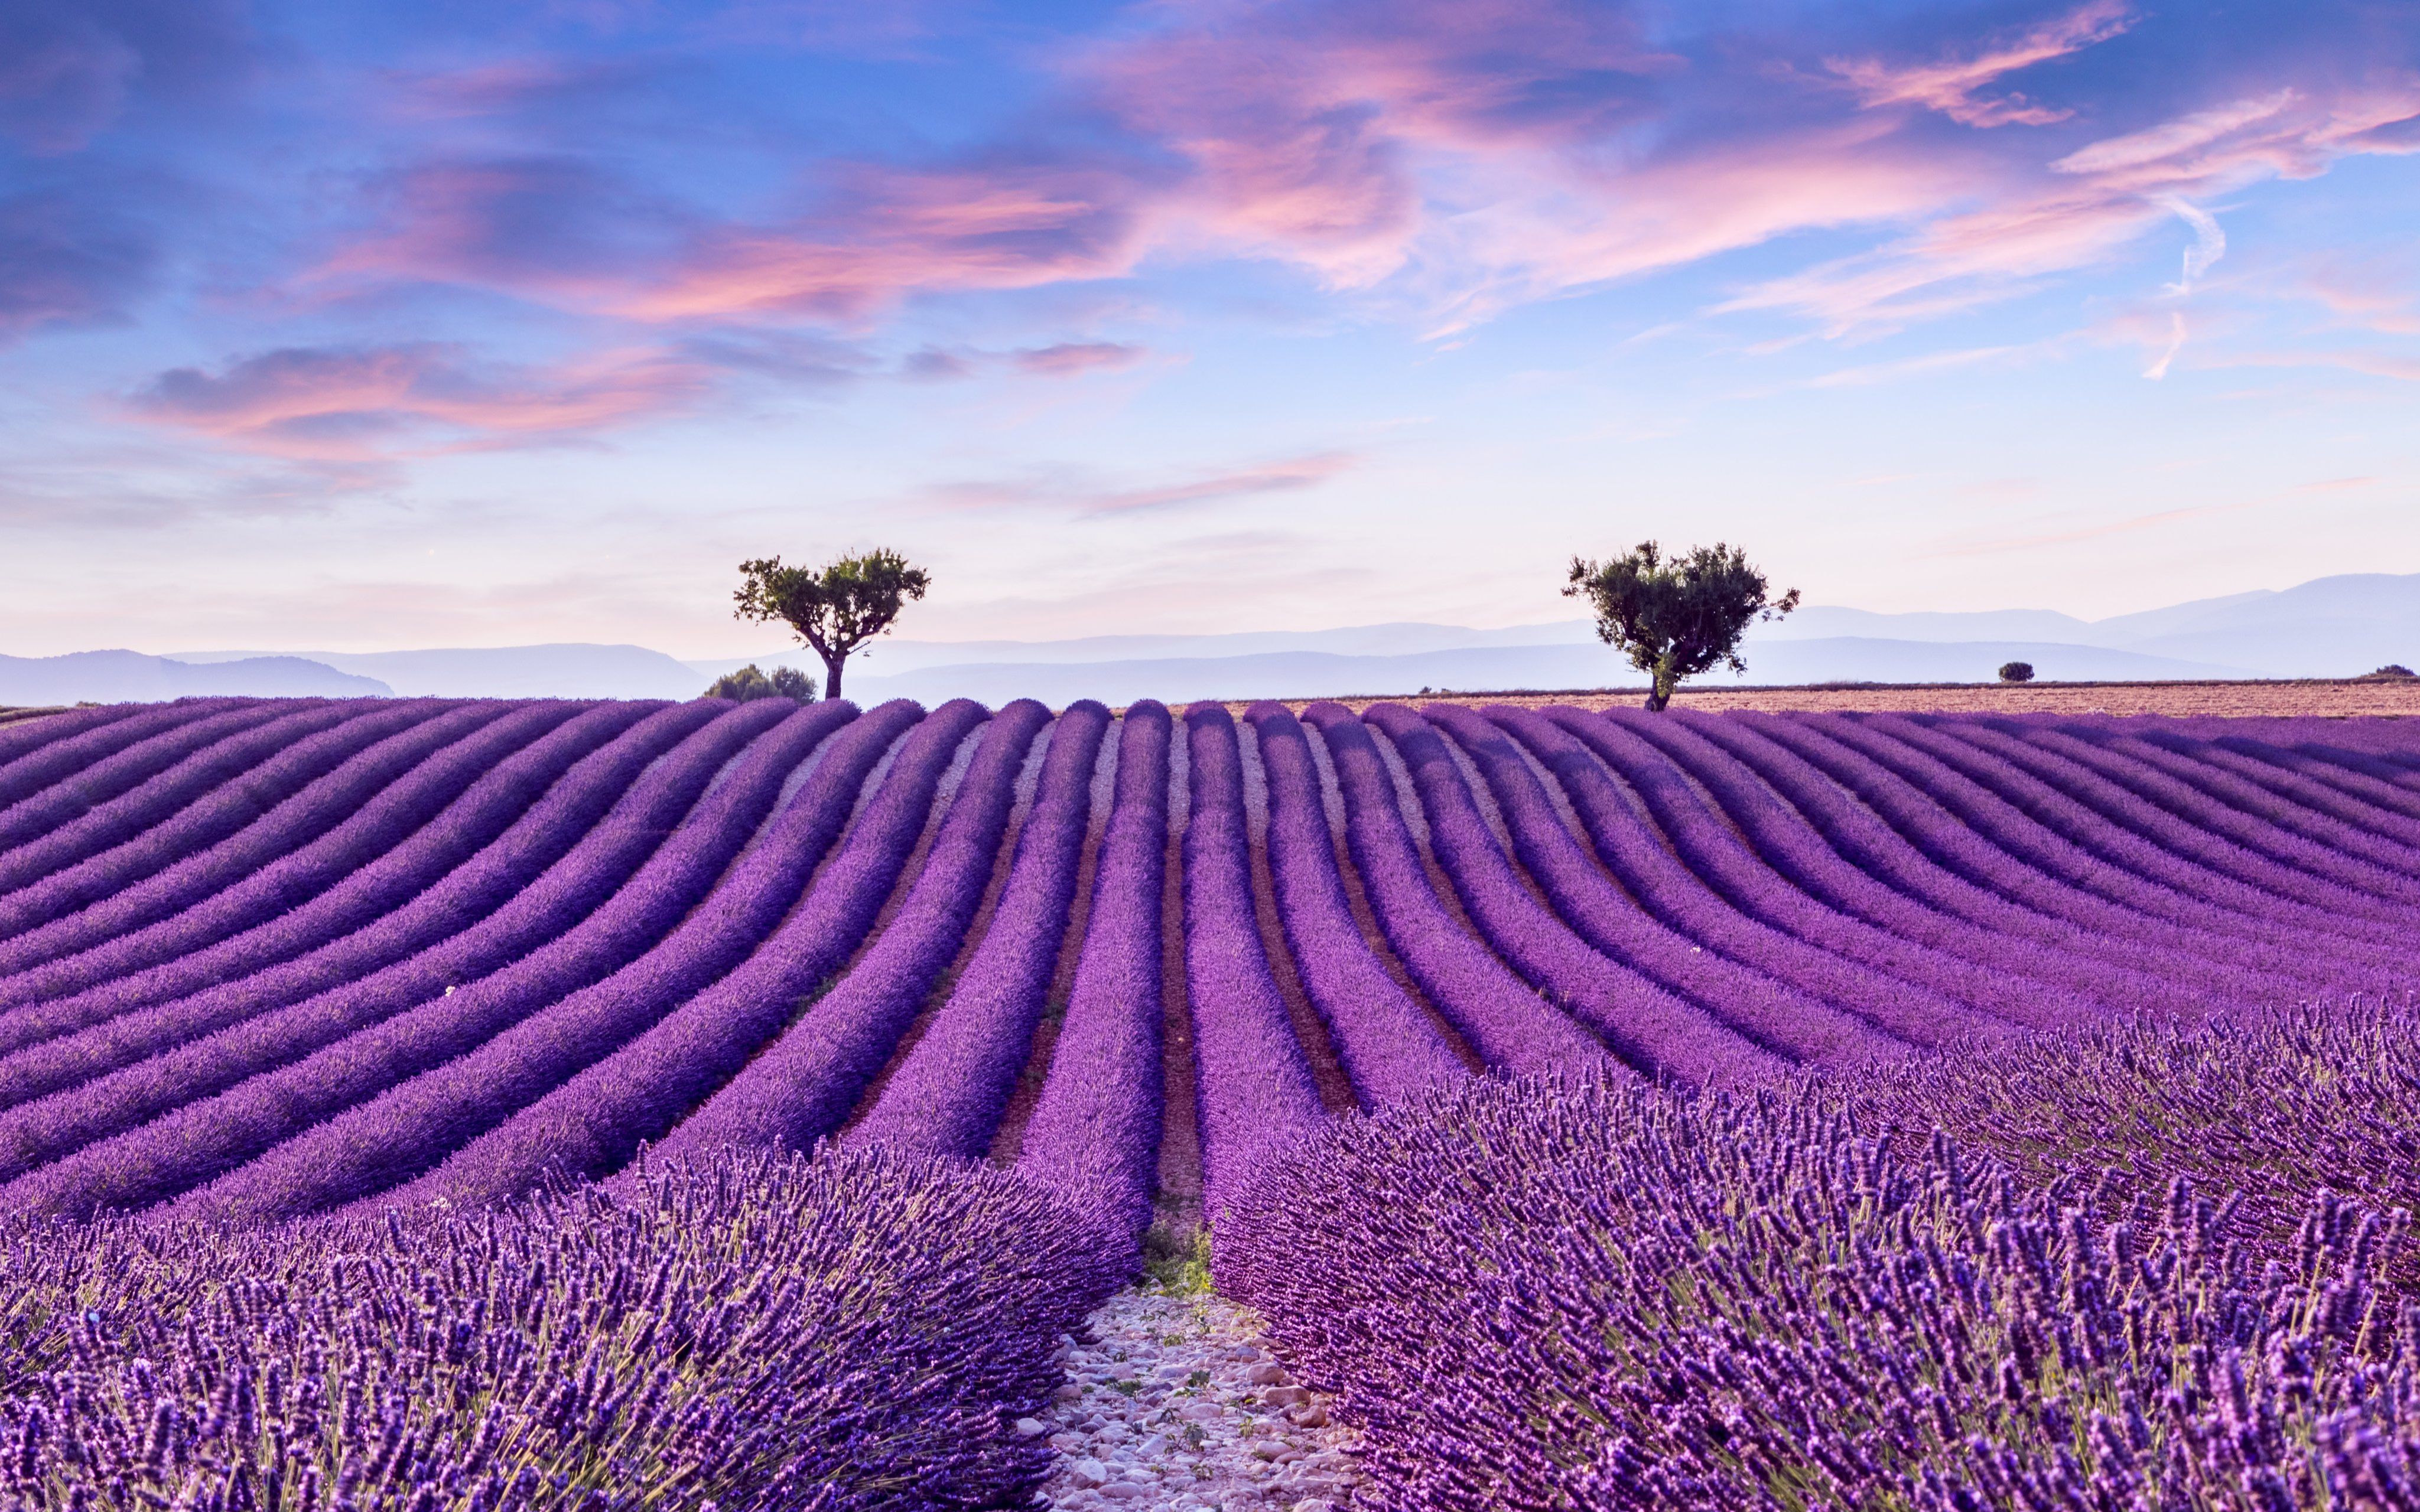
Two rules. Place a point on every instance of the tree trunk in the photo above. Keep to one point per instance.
(1661, 693)
(832, 673)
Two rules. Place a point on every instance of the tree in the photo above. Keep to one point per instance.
(749, 683)
(1680, 617)
(2017, 671)
(835, 609)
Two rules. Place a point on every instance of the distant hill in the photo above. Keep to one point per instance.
(565, 671)
(2340, 626)
(129, 677)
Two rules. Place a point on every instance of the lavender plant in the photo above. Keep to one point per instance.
(751, 1331)
(1550, 1294)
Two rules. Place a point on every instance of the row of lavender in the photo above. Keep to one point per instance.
(264, 960)
(2121, 1267)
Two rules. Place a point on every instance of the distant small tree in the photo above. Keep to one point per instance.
(833, 609)
(2016, 671)
(1680, 617)
(749, 683)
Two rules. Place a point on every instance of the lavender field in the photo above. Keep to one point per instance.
(428, 1103)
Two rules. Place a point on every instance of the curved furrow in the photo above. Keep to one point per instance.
(38, 752)
(287, 1071)
(1690, 938)
(508, 766)
(414, 1124)
(1388, 1043)
(1652, 1028)
(806, 1081)
(2025, 946)
(468, 905)
(215, 846)
(2081, 810)
(111, 801)
(1993, 842)
(946, 1096)
(2246, 849)
(1711, 850)
(1094, 1135)
(1511, 1026)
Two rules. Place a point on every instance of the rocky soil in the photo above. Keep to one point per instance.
(1174, 1403)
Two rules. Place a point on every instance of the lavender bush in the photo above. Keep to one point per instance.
(1552, 1294)
(752, 1332)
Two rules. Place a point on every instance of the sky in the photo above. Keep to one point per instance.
(358, 326)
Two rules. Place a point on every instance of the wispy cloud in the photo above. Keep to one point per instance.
(1073, 492)
(354, 405)
(1949, 85)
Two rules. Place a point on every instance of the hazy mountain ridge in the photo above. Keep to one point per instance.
(131, 677)
(2336, 627)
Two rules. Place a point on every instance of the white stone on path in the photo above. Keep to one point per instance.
(1177, 1407)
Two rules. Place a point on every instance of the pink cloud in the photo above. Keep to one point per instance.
(1460, 157)
(368, 404)
(902, 232)
(1949, 85)
(2096, 201)
(1070, 357)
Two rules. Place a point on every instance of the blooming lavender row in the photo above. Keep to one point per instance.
(473, 920)
(2265, 1106)
(2233, 827)
(1389, 1046)
(2344, 808)
(806, 1082)
(411, 1126)
(386, 849)
(1095, 1133)
(2312, 813)
(1979, 840)
(529, 1040)
(2163, 863)
(1709, 849)
(2024, 949)
(1544, 1294)
(275, 1076)
(118, 796)
(1803, 1002)
(946, 1096)
(1253, 1091)
(1508, 1023)
(592, 1123)
(502, 771)
(752, 1332)
(2095, 846)
(38, 753)
(1656, 1030)
(2187, 855)
(279, 807)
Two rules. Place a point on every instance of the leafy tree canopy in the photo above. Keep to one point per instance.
(2017, 671)
(1679, 616)
(835, 609)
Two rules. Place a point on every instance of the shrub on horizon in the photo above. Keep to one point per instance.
(2016, 671)
(749, 683)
